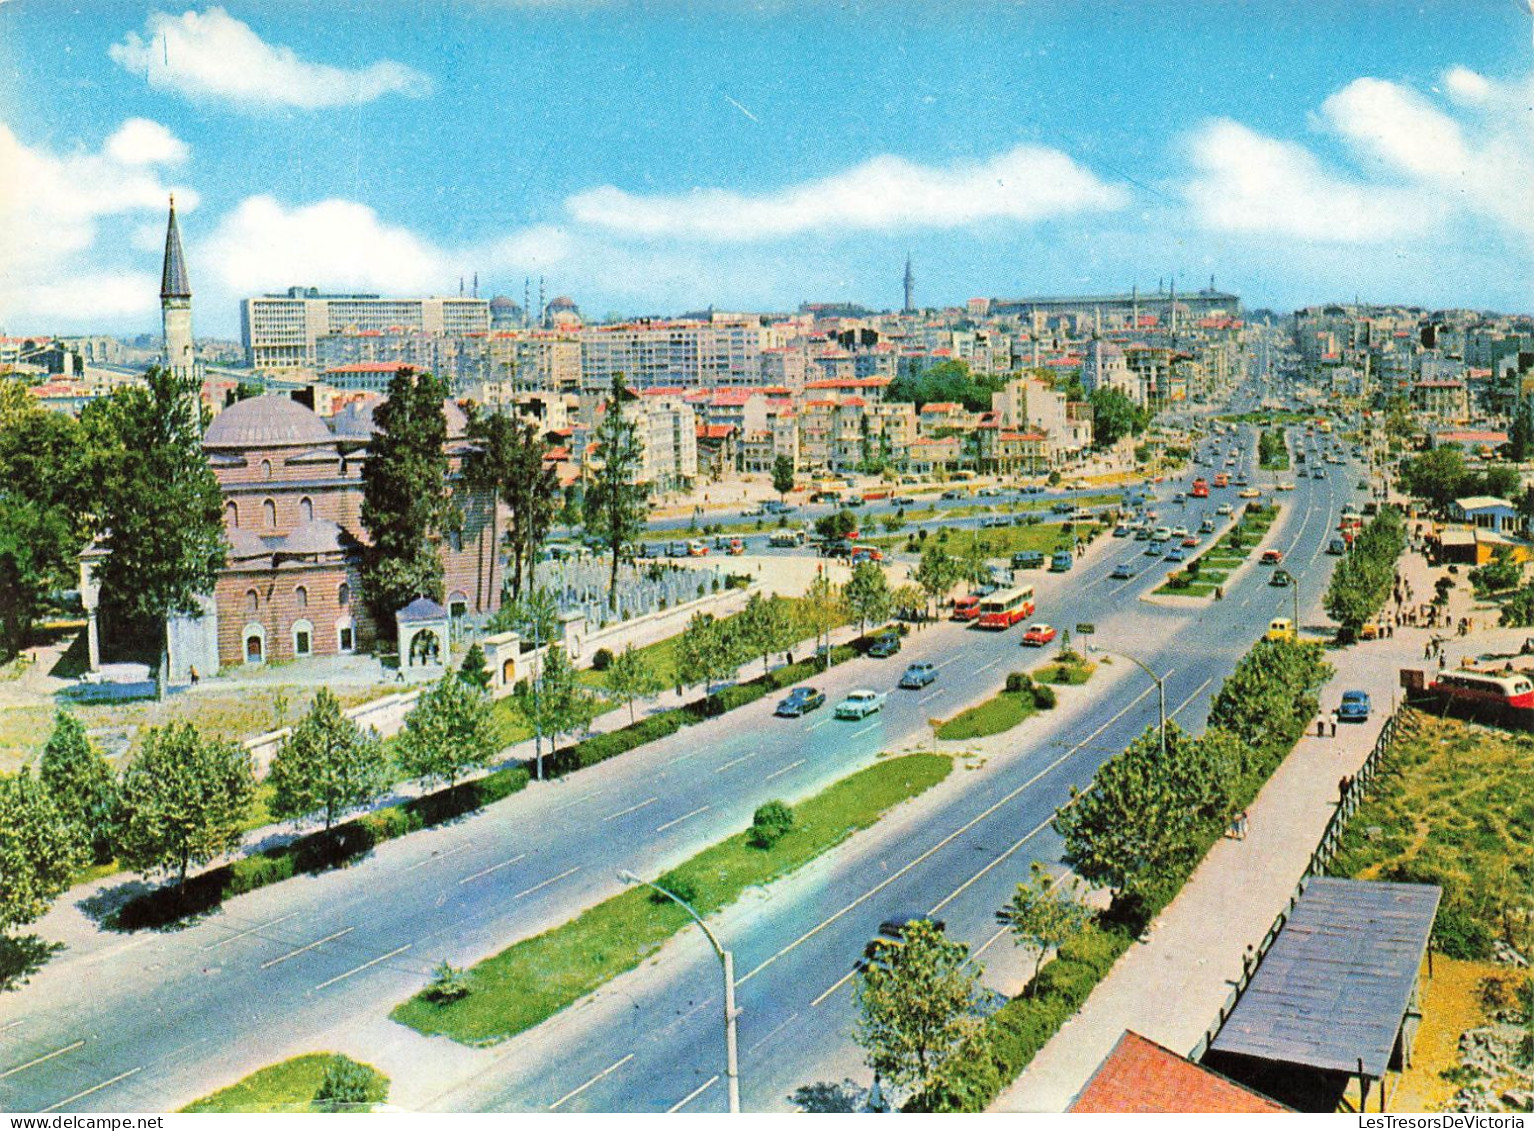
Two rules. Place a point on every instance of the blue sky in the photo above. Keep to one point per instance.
(658, 158)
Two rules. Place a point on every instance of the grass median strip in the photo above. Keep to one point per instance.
(294, 1086)
(533, 979)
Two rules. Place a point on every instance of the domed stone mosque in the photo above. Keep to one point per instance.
(292, 487)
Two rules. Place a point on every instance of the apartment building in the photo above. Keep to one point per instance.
(281, 332)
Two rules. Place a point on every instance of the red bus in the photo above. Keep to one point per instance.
(1503, 698)
(1006, 607)
(1200, 488)
(966, 608)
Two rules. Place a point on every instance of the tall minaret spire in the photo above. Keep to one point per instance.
(910, 287)
(176, 303)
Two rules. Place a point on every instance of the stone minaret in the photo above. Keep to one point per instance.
(176, 304)
(910, 287)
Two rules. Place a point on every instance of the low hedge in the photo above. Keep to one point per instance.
(315, 852)
(601, 747)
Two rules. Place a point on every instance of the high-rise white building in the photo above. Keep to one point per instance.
(280, 332)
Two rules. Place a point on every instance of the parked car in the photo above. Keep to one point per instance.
(1336, 547)
(918, 675)
(1028, 559)
(1123, 571)
(867, 554)
(1062, 561)
(1039, 635)
(994, 520)
(1063, 508)
(801, 700)
(696, 549)
(1354, 707)
(954, 495)
(676, 550)
(859, 704)
(904, 500)
(885, 646)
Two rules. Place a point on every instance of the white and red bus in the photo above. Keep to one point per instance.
(1006, 607)
(1505, 697)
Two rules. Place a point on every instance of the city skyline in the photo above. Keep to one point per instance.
(654, 162)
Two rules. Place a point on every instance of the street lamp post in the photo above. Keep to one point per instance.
(1160, 693)
(727, 960)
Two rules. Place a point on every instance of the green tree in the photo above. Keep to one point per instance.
(40, 847)
(555, 702)
(764, 626)
(937, 573)
(821, 610)
(407, 506)
(945, 381)
(916, 1006)
(708, 652)
(909, 601)
(327, 765)
(160, 505)
(46, 502)
(1271, 692)
(836, 526)
(1520, 435)
(1362, 581)
(1045, 915)
(1518, 608)
(631, 677)
(867, 595)
(473, 670)
(509, 460)
(1115, 416)
(1437, 476)
(349, 1086)
(1498, 575)
(1138, 824)
(615, 499)
(973, 563)
(448, 733)
(183, 800)
(80, 780)
(782, 475)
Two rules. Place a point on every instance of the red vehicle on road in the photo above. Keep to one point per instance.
(966, 608)
(1006, 607)
(1039, 635)
(1201, 488)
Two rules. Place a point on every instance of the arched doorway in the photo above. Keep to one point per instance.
(255, 644)
(425, 647)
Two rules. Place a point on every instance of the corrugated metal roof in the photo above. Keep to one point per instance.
(1334, 987)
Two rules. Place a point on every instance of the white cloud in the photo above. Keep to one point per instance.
(138, 141)
(52, 208)
(884, 193)
(214, 55)
(1245, 182)
(1458, 168)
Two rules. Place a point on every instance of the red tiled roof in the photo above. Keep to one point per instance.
(715, 431)
(940, 406)
(849, 383)
(1141, 1077)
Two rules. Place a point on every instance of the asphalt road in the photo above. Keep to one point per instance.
(656, 1044)
(149, 1021)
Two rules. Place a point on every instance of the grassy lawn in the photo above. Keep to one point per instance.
(1003, 541)
(534, 979)
(1221, 559)
(1067, 673)
(1453, 808)
(286, 1087)
(994, 716)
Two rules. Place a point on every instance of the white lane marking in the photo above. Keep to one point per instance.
(310, 946)
(931, 695)
(692, 1095)
(546, 883)
(40, 1060)
(738, 761)
(986, 945)
(91, 1091)
(683, 817)
(611, 1068)
(775, 1031)
(784, 770)
(435, 856)
(990, 665)
(840, 982)
(860, 733)
(250, 931)
(958, 891)
(494, 868)
(584, 797)
(821, 723)
(940, 845)
(364, 966)
(630, 809)
(1197, 692)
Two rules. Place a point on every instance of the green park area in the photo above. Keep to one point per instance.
(1211, 569)
(316, 1082)
(535, 978)
(1018, 701)
(1273, 450)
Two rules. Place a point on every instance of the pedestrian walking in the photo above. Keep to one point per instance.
(1241, 825)
(1442, 662)
(1344, 784)
(1320, 728)
(1334, 724)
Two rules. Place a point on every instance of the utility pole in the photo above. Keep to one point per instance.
(1160, 692)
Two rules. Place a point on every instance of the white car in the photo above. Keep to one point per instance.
(859, 704)
(1223, 508)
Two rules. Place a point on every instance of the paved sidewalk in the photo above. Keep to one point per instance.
(1170, 988)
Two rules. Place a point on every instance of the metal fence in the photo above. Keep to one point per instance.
(1349, 800)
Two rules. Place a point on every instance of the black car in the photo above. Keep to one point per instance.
(885, 646)
(892, 935)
